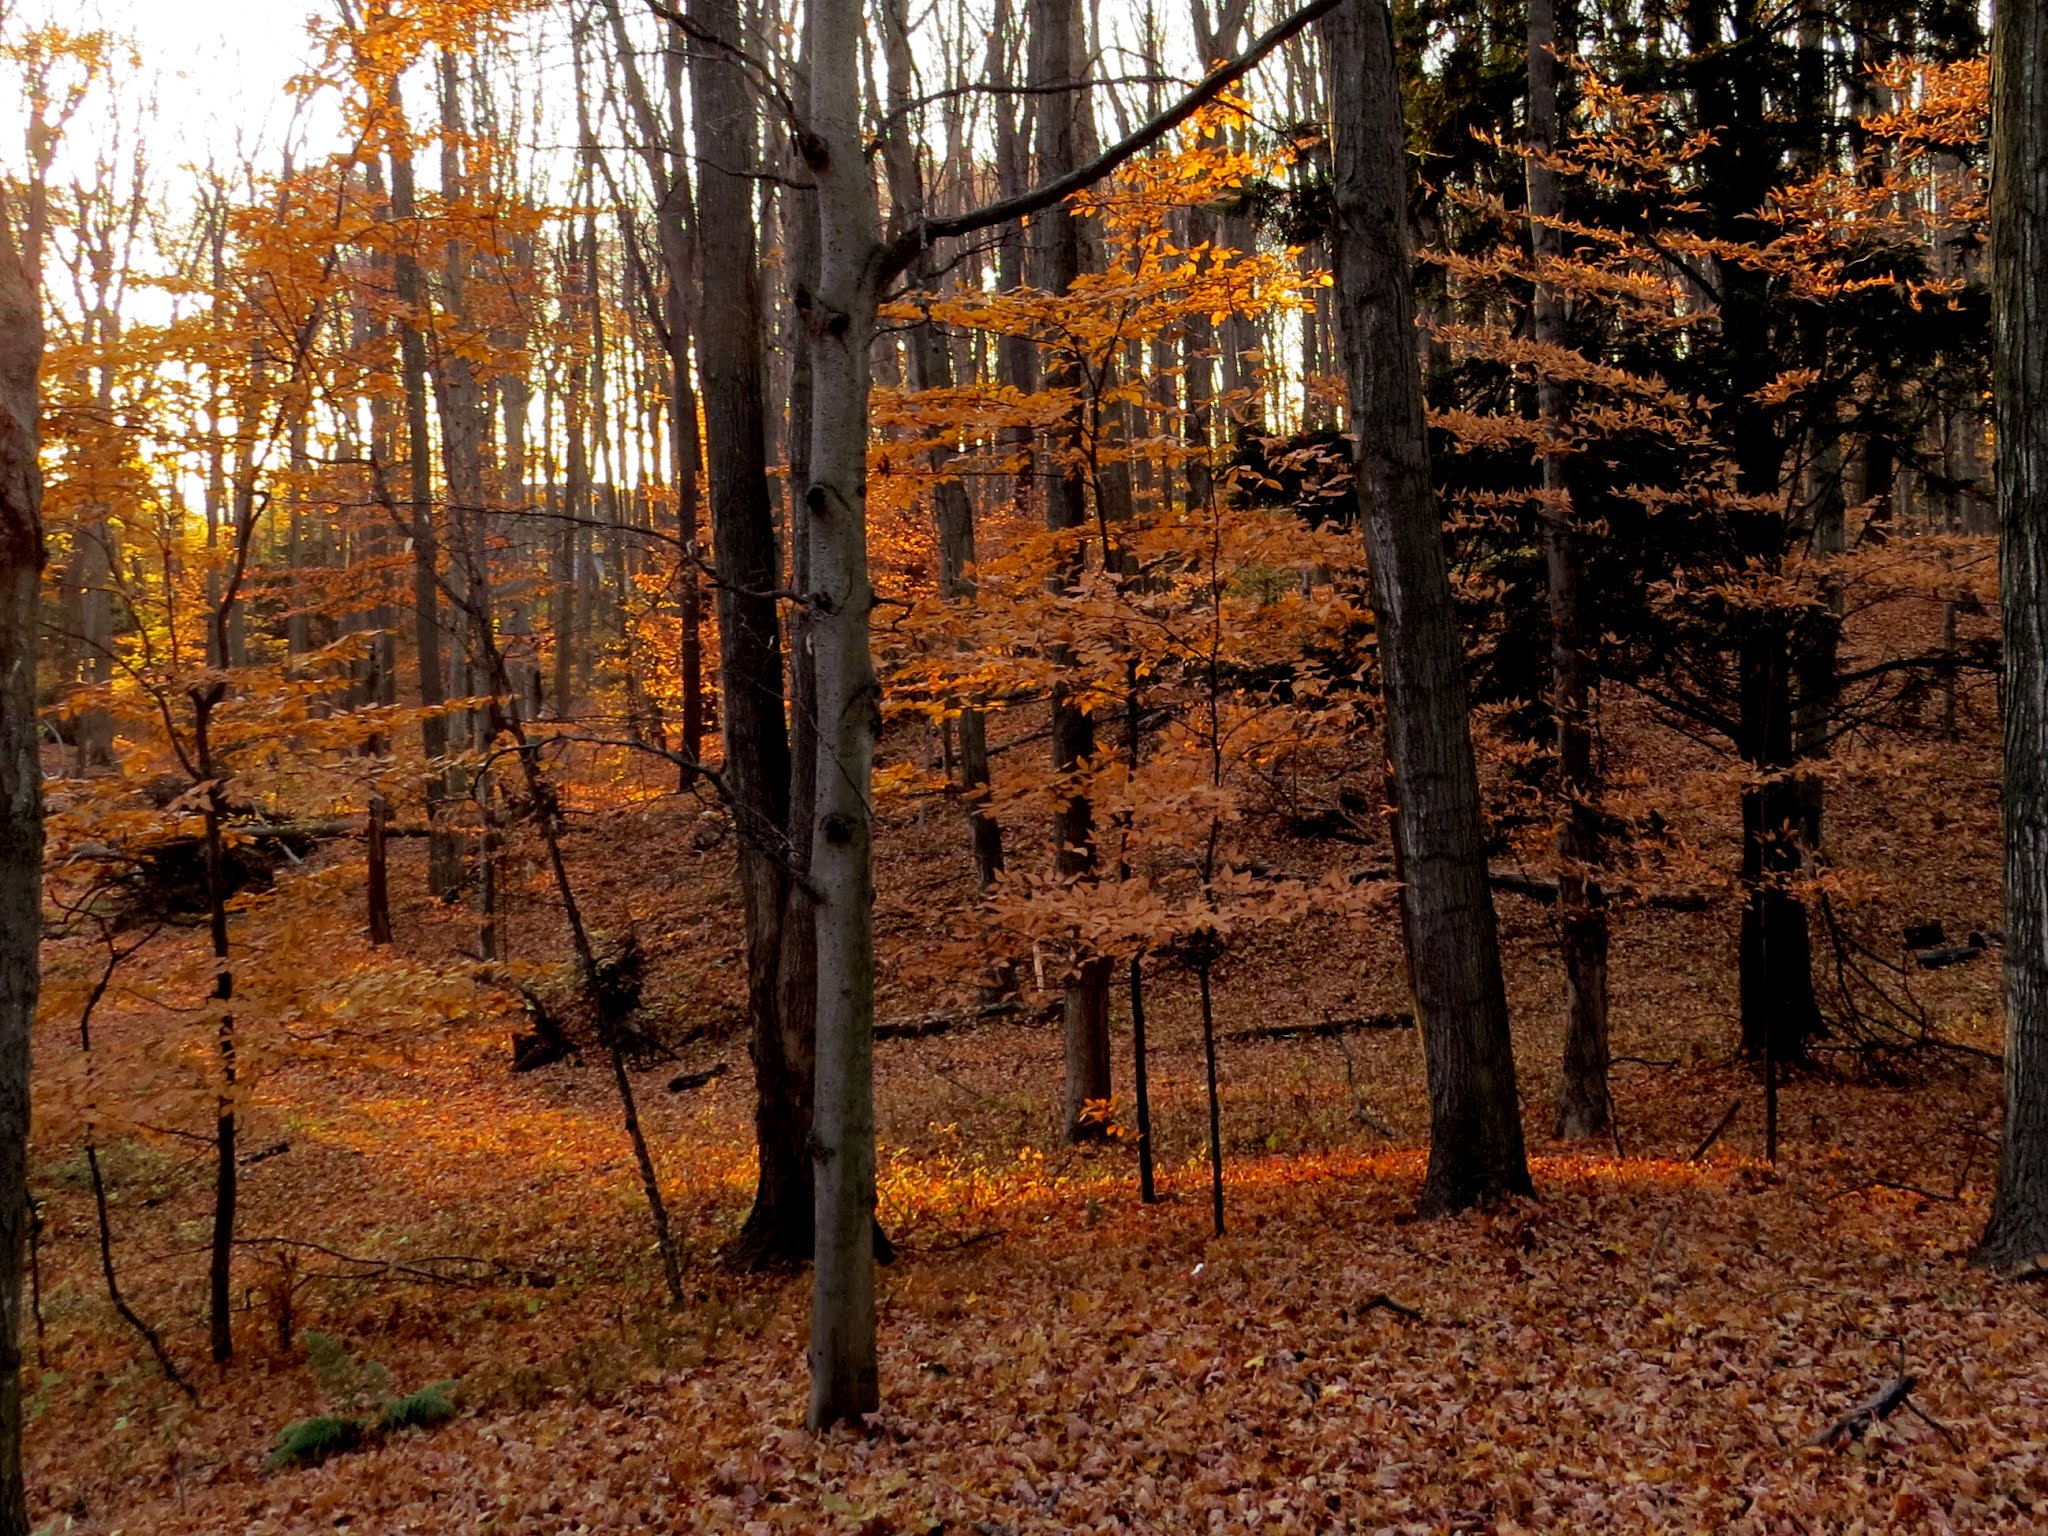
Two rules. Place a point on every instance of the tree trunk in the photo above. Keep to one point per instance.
(1016, 359)
(841, 316)
(459, 406)
(443, 858)
(799, 959)
(1582, 1099)
(21, 806)
(1779, 1010)
(749, 567)
(1057, 59)
(1476, 1148)
(226, 1193)
(2018, 1230)
(379, 882)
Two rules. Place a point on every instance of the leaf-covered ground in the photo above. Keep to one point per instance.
(1650, 1345)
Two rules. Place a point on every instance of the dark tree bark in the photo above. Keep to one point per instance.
(1476, 1148)
(749, 571)
(799, 962)
(226, 1192)
(379, 882)
(1582, 1102)
(2018, 1230)
(21, 805)
(1057, 59)
(1780, 812)
(443, 858)
(662, 145)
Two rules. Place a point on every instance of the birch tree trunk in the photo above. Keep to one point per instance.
(1475, 1149)
(2018, 1231)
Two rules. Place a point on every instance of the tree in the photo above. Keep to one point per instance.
(855, 262)
(21, 799)
(2018, 1230)
(1059, 70)
(757, 751)
(1475, 1138)
(1582, 1104)
(839, 319)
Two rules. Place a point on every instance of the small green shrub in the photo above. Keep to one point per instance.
(424, 1409)
(309, 1442)
(360, 1394)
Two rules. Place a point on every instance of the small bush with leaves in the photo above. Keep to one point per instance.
(423, 1409)
(360, 1394)
(309, 1442)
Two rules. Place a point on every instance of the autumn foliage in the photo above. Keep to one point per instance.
(394, 1124)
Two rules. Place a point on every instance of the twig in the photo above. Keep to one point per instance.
(1358, 1109)
(374, 1268)
(1714, 1135)
(1954, 1443)
(1853, 1424)
(1381, 1301)
(128, 1314)
(1915, 1189)
(1657, 1248)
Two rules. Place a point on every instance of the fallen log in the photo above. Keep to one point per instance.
(918, 1026)
(1324, 1029)
(1520, 882)
(683, 1082)
(1945, 955)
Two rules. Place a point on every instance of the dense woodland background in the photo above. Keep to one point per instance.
(457, 1018)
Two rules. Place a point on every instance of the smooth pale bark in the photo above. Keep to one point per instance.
(840, 315)
(2018, 1230)
(21, 813)
(1476, 1148)
(749, 567)
(1582, 1097)
(580, 294)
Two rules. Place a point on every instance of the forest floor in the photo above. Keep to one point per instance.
(1653, 1343)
